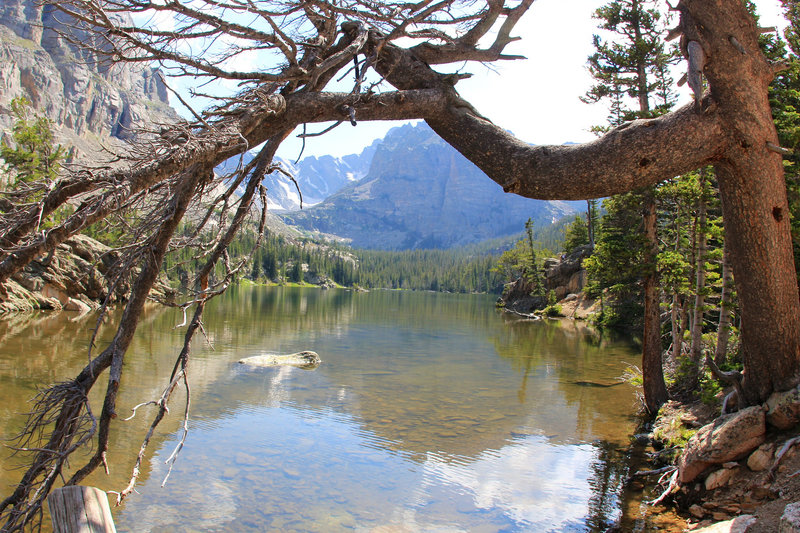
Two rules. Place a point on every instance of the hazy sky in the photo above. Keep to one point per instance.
(535, 98)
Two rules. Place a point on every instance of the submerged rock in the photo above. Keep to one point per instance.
(306, 360)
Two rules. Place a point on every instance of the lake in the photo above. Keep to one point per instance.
(430, 412)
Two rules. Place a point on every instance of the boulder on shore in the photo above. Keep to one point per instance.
(728, 438)
(790, 519)
(784, 409)
(740, 524)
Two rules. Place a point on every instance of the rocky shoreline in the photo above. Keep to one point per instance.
(77, 276)
(564, 278)
(732, 473)
(735, 472)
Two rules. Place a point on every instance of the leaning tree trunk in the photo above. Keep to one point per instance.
(731, 127)
(754, 202)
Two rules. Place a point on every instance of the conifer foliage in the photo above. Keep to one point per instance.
(696, 292)
(631, 72)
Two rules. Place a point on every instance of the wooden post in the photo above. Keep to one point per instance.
(78, 509)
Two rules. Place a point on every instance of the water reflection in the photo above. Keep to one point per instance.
(430, 412)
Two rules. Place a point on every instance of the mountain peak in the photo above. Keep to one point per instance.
(421, 193)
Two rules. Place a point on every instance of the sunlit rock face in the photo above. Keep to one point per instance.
(89, 100)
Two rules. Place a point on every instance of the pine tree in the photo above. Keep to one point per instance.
(532, 273)
(592, 221)
(576, 234)
(35, 155)
(634, 65)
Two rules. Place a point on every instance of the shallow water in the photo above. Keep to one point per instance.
(430, 412)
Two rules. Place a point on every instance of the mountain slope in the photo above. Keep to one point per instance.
(88, 102)
(421, 193)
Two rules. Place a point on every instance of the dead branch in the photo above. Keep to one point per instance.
(657, 471)
(673, 484)
(64, 411)
(255, 121)
(696, 57)
(169, 171)
(733, 378)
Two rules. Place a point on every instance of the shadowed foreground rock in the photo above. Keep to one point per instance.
(790, 520)
(784, 409)
(737, 525)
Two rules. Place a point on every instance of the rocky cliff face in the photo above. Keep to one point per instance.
(421, 193)
(88, 101)
(89, 104)
(565, 277)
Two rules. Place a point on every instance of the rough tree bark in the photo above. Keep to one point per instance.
(655, 389)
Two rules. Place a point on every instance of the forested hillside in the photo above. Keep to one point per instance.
(281, 260)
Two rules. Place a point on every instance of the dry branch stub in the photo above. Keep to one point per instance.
(80, 509)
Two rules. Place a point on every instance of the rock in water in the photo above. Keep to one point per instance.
(306, 360)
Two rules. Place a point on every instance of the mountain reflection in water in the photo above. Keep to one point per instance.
(430, 412)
